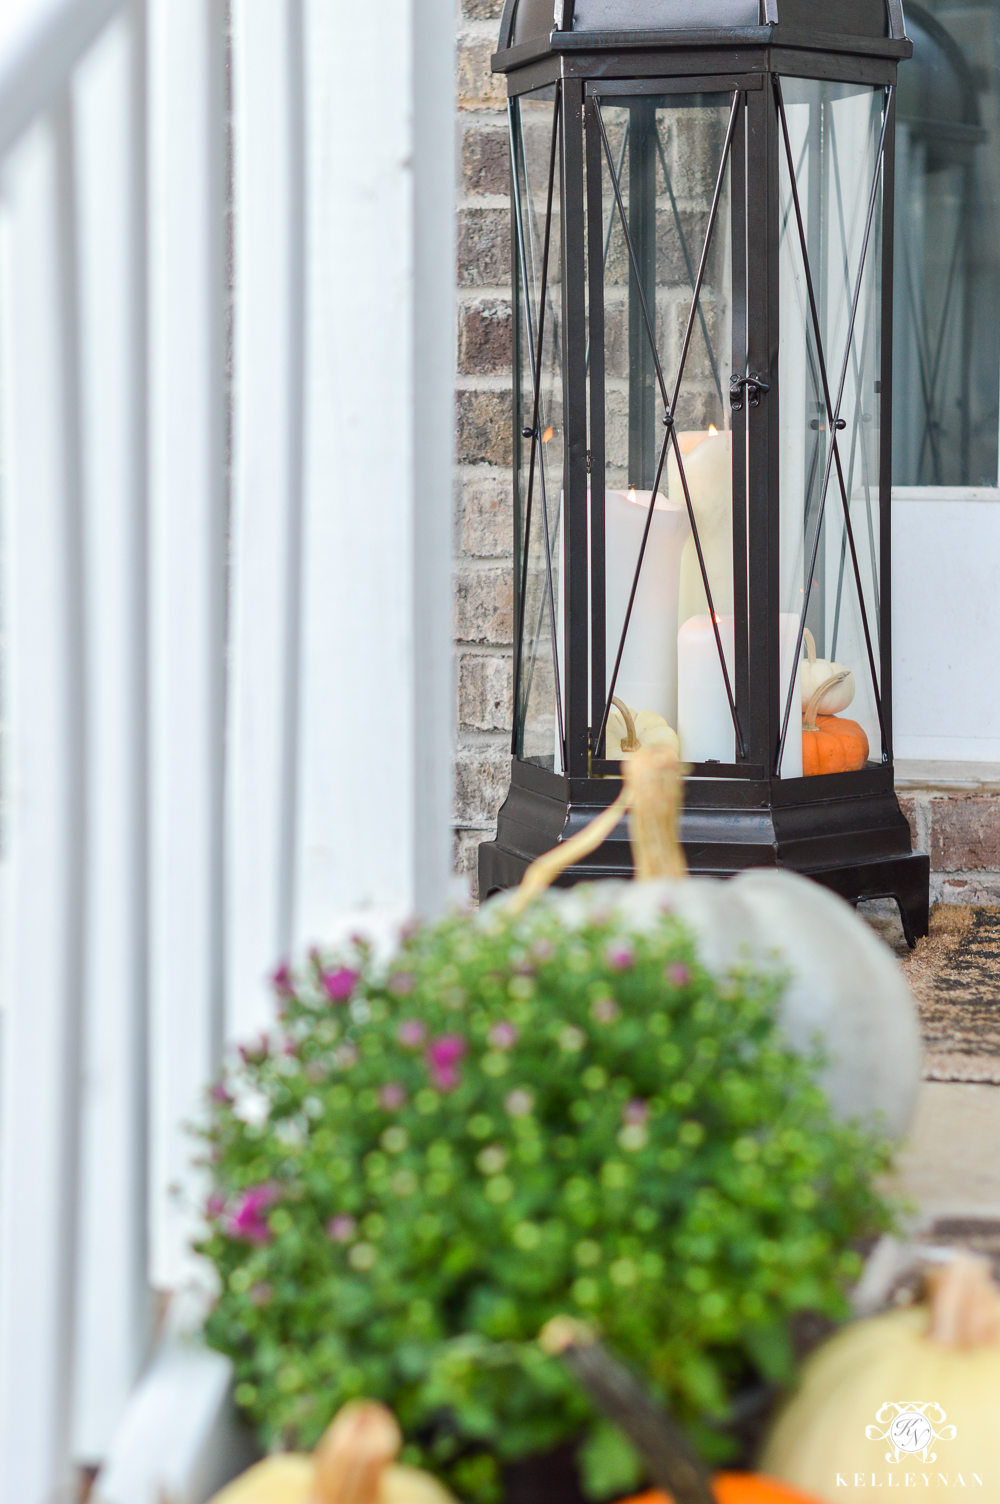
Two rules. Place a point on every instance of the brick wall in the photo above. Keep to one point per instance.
(483, 491)
(961, 833)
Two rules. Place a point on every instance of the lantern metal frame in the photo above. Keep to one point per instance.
(846, 830)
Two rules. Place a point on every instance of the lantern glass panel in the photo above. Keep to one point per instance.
(538, 343)
(830, 262)
(666, 201)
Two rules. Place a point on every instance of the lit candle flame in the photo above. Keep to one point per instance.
(631, 493)
(712, 430)
(546, 436)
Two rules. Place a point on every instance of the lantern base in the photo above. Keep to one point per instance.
(845, 830)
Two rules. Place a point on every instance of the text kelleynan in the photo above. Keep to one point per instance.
(909, 1480)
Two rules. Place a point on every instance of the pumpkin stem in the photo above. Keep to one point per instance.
(360, 1441)
(653, 777)
(810, 643)
(631, 742)
(673, 1465)
(812, 709)
(651, 790)
(965, 1303)
(546, 868)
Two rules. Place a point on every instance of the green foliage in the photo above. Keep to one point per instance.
(516, 1119)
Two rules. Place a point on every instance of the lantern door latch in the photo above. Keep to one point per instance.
(754, 387)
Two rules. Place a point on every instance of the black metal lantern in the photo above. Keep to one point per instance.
(701, 269)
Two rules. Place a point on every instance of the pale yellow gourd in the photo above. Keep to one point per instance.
(814, 674)
(352, 1465)
(940, 1361)
(628, 730)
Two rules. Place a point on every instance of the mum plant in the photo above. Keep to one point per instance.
(512, 1119)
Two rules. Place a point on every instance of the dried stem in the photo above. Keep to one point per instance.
(360, 1441)
(673, 1464)
(965, 1303)
(651, 791)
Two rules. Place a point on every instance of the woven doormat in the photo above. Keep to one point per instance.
(955, 977)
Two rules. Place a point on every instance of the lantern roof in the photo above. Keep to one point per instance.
(532, 28)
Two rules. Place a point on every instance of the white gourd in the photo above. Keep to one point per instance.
(629, 729)
(944, 1352)
(654, 730)
(814, 674)
(845, 989)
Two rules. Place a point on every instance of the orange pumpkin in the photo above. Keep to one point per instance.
(831, 744)
(737, 1488)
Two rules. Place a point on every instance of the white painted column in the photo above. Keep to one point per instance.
(375, 724)
(151, 868)
(187, 598)
(263, 702)
(44, 669)
(113, 1299)
(432, 28)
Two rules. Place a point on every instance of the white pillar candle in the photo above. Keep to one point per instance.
(647, 678)
(704, 720)
(708, 469)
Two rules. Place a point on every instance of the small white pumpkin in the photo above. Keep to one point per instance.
(845, 989)
(921, 1370)
(816, 671)
(629, 729)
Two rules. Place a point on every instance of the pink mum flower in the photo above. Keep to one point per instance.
(341, 1229)
(442, 1061)
(678, 974)
(338, 985)
(247, 1222)
(620, 955)
(503, 1035)
(412, 1033)
(281, 980)
(392, 1096)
